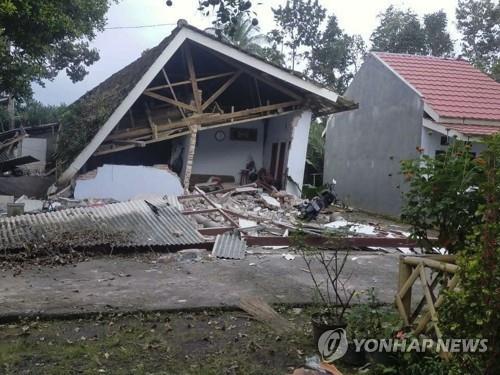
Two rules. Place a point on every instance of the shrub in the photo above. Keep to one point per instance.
(443, 196)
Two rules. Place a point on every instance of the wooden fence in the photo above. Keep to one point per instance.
(435, 273)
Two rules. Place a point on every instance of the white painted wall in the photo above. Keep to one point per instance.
(279, 130)
(228, 157)
(431, 142)
(298, 152)
(124, 182)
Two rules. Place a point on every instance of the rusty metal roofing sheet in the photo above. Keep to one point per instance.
(124, 224)
(229, 246)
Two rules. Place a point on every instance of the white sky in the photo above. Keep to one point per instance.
(120, 47)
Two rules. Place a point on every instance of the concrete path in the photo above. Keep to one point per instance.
(130, 284)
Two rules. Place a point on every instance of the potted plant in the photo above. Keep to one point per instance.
(326, 269)
(372, 320)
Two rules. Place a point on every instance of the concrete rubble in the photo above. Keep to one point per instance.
(240, 217)
(267, 218)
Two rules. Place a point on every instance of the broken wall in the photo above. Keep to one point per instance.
(298, 152)
(228, 157)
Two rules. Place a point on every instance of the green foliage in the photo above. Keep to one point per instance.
(443, 196)
(412, 363)
(437, 39)
(40, 38)
(33, 113)
(333, 56)
(316, 145)
(77, 130)
(243, 34)
(472, 310)
(298, 26)
(400, 31)
(477, 21)
(226, 12)
(371, 320)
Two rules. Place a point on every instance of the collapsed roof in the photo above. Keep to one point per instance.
(92, 118)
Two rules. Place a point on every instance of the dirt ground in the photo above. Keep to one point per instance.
(207, 342)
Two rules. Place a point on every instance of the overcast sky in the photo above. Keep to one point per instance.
(119, 47)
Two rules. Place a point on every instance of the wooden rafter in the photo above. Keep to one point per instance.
(182, 83)
(165, 75)
(221, 90)
(171, 134)
(170, 101)
(209, 118)
(264, 79)
(192, 77)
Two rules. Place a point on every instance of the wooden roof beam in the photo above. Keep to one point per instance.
(182, 83)
(221, 90)
(170, 101)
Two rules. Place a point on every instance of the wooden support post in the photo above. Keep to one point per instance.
(190, 158)
(152, 125)
(405, 271)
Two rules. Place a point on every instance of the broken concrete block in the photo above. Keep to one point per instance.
(124, 182)
(30, 205)
(4, 199)
(270, 201)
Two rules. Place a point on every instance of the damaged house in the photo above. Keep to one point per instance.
(197, 107)
(409, 105)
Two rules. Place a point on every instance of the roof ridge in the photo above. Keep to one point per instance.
(459, 58)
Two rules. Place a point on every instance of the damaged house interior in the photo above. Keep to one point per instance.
(202, 109)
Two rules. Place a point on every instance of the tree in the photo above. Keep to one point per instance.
(437, 39)
(40, 38)
(316, 145)
(225, 11)
(33, 113)
(478, 23)
(245, 35)
(298, 26)
(400, 32)
(333, 57)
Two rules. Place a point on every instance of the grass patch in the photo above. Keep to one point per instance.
(209, 342)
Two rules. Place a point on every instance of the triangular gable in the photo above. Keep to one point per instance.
(150, 65)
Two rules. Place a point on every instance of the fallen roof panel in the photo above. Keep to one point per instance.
(229, 246)
(125, 224)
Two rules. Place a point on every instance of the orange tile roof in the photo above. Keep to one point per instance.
(452, 87)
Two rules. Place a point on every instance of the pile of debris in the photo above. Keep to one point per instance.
(247, 215)
(226, 219)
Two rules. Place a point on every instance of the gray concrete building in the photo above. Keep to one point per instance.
(408, 105)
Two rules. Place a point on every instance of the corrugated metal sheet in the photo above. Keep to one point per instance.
(122, 224)
(229, 246)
